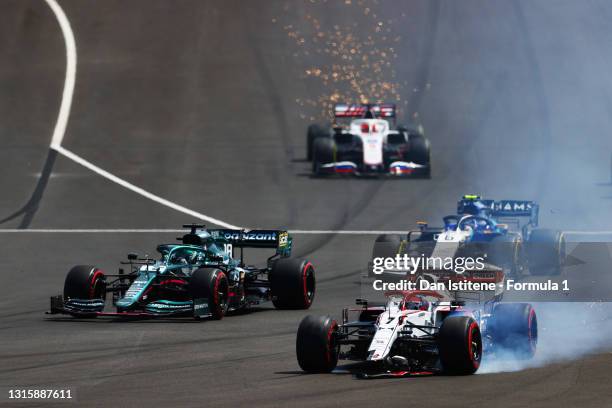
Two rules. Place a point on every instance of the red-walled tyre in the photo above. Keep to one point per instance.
(316, 346)
(211, 284)
(546, 252)
(514, 329)
(460, 345)
(85, 282)
(292, 283)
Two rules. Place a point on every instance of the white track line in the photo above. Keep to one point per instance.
(71, 63)
(64, 114)
(141, 191)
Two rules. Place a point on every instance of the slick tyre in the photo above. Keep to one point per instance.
(460, 345)
(385, 246)
(316, 344)
(211, 284)
(506, 251)
(323, 153)
(514, 329)
(292, 283)
(85, 282)
(419, 149)
(546, 252)
(315, 131)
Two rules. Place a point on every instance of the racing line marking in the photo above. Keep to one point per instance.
(64, 114)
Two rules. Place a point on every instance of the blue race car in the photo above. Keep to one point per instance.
(200, 277)
(486, 227)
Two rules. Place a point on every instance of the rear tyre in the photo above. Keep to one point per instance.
(314, 131)
(514, 329)
(546, 252)
(323, 153)
(460, 345)
(316, 344)
(211, 284)
(292, 283)
(506, 251)
(419, 149)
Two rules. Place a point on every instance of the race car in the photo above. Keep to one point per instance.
(370, 144)
(489, 228)
(199, 277)
(418, 332)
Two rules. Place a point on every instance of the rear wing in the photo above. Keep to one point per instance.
(506, 208)
(278, 239)
(343, 110)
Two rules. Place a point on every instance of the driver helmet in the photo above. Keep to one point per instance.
(192, 257)
(419, 303)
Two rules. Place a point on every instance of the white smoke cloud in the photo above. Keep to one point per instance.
(566, 331)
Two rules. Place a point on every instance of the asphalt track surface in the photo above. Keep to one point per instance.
(196, 102)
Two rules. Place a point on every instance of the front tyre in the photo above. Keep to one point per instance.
(292, 283)
(514, 329)
(316, 344)
(460, 345)
(211, 284)
(385, 246)
(85, 282)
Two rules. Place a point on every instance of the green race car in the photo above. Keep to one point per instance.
(200, 277)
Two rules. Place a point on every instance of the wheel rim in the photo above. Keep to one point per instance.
(222, 295)
(332, 345)
(474, 345)
(309, 284)
(533, 331)
(98, 286)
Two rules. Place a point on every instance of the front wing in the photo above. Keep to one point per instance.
(94, 308)
(396, 169)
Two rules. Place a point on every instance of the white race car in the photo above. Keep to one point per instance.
(370, 144)
(417, 332)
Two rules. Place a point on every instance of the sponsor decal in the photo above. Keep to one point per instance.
(158, 305)
(200, 307)
(283, 239)
(250, 236)
(513, 206)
